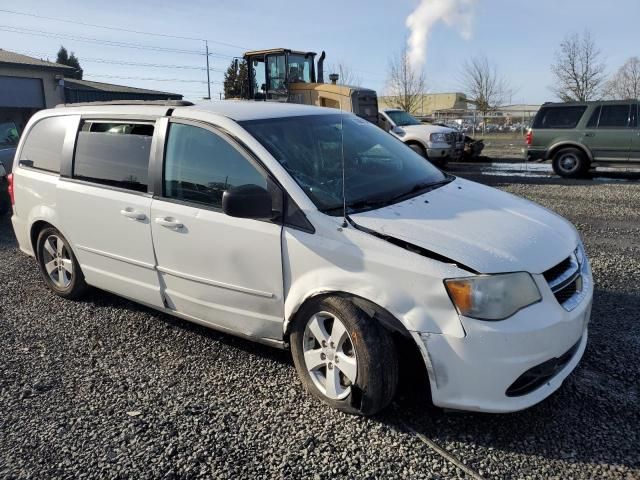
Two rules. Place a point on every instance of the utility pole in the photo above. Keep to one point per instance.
(206, 46)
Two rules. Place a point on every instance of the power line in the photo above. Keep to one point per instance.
(111, 43)
(182, 80)
(140, 32)
(121, 62)
(152, 65)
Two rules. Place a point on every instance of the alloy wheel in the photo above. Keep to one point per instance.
(568, 162)
(57, 261)
(329, 355)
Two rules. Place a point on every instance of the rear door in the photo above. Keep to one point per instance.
(214, 268)
(634, 152)
(105, 208)
(608, 133)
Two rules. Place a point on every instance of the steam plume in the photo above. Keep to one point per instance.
(454, 13)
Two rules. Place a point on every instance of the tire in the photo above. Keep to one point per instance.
(419, 149)
(361, 347)
(58, 265)
(570, 163)
(5, 200)
(4, 206)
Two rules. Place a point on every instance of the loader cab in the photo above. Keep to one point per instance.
(272, 71)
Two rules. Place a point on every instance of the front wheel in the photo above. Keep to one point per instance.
(344, 357)
(419, 149)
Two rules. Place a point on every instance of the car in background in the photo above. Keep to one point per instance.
(9, 137)
(580, 135)
(435, 143)
(8, 142)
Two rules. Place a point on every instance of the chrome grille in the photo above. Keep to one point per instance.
(450, 138)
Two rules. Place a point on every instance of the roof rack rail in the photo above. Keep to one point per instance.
(165, 103)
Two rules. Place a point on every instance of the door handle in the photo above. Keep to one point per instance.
(169, 222)
(589, 134)
(131, 213)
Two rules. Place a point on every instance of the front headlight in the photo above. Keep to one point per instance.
(438, 138)
(492, 297)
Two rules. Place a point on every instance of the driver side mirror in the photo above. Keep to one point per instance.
(247, 201)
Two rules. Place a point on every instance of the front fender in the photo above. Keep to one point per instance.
(405, 284)
(416, 139)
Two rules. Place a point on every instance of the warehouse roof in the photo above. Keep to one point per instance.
(18, 59)
(109, 87)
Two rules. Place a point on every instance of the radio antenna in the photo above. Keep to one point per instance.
(344, 195)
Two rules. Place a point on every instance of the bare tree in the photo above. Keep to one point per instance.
(346, 75)
(625, 83)
(578, 70)
(405, 83)
(483, 85)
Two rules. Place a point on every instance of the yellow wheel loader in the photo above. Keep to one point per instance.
(284, 75)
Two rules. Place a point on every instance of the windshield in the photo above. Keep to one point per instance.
(379, 169)
(402, 118)
(299, 68)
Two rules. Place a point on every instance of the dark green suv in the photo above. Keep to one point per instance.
(578, 136)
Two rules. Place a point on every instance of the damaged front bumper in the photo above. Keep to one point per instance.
(508, 365)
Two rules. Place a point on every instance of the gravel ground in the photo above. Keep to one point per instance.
(104, 388)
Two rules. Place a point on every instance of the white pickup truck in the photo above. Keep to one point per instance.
(435, 143)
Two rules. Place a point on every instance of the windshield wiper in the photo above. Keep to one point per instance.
(358, 205)
(371, 203)
(421, 187)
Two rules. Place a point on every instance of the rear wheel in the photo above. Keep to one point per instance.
(58, 264)
(343, 357)
(570, 163)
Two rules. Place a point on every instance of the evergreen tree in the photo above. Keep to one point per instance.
(64, 58)
(235, 80)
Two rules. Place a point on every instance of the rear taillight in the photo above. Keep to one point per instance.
(529, 137)
(10, 189)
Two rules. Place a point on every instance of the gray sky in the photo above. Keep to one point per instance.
(519, 36)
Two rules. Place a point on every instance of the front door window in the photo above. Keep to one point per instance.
(201, 165)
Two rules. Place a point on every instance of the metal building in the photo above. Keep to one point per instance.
(28, 84)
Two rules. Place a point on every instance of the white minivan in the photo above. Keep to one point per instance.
(313, 230)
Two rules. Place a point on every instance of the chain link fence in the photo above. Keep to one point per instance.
(511, 123)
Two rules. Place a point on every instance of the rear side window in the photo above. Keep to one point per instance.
(614, 116)
(200, 165)
(559, 117)
(114, 153)
(43, 146)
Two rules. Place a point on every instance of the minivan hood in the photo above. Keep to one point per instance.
(477, 226)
